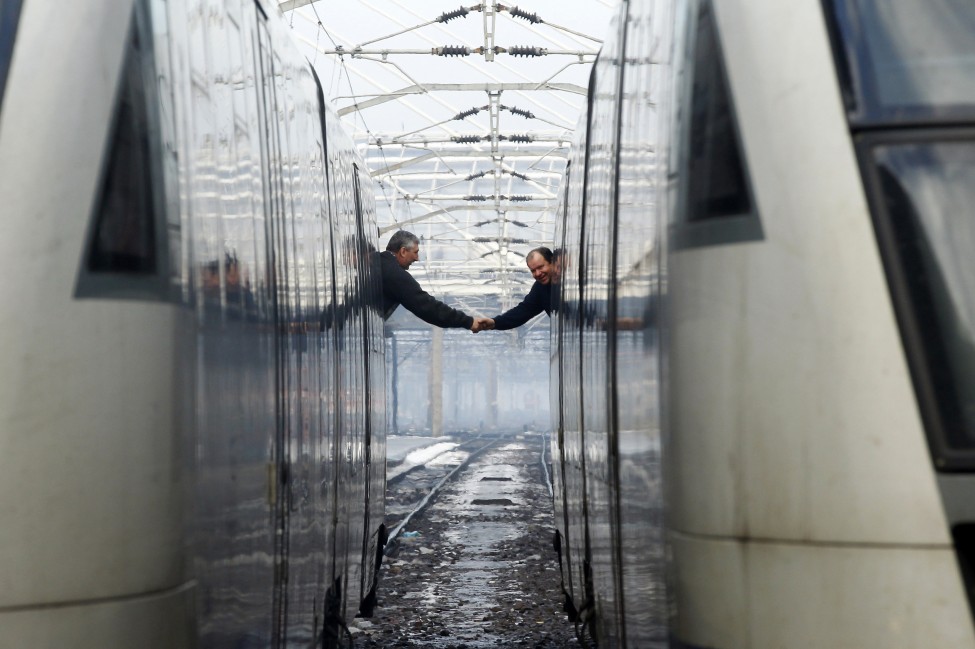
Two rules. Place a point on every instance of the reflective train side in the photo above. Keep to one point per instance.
(763, 358)
(186, 458)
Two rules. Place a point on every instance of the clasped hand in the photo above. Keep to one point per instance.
(482, 324)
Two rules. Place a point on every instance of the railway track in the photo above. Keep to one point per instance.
(472, 564)
(410, 490)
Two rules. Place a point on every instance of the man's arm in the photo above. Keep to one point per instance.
(423, 305)
(533, 304)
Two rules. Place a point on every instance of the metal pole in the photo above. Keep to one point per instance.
(395, 382)
(436, 383)
(492, 390)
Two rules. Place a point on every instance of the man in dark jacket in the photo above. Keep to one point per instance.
(399, 287)
(545, 268)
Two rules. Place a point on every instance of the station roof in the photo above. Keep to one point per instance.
(464, 115)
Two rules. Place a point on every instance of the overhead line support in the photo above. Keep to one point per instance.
(490, 19)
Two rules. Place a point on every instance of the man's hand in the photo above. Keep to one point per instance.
(482, 324)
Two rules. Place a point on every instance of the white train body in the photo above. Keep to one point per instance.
(186, 459)
(803, 176)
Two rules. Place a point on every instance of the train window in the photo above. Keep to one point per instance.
(357, 193)
(905, 61)
(717, 199)
(124, 239)
(365, 251)
(357, 249)
(126, 249)
(923, 192)
(9, 17)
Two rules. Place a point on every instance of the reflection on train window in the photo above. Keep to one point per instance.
(927, 191)
(716, 176)
(125, 255)
(9, 17)
(905, 60)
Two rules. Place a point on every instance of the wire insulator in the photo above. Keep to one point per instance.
(520, 199)
(476, 176)
(520, 138)
(526, 50)
(452, 50)
(518, 175)
(467, 113)
(477, 198)
(519, 224)
(467, 139)
(518, 13)
(527, 114)
(450, 15)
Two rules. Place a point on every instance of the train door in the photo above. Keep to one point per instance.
(353, 469)
(311, 271)
(599, 342)
(362, 290)
(301, 185)
(333, 315)
(374, 417)
(570, 328)
(561, 396)
(635, 355)
(271, 112)
(349, 496)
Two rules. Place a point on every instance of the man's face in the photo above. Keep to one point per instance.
(407, 256)
(541, 269)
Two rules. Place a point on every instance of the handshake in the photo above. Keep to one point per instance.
(482, 324)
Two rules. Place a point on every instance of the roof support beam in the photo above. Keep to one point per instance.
(288, 5)
(557, 153)
(458, 87)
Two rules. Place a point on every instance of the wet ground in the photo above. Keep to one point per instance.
(477, 569)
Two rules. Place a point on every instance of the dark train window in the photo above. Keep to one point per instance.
(356, 191)
(124, 237)
(717, 190)
(922, 191)
(126, 241)
(9, 17)
(357, 245)
(716, 176)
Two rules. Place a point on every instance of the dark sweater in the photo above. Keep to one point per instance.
(399, 287)
(539, 299)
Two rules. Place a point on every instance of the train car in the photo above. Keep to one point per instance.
(765, 341)
(186, 457)
(605, 347)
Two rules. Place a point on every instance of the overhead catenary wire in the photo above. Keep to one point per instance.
(382, 185)
(502, 65)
